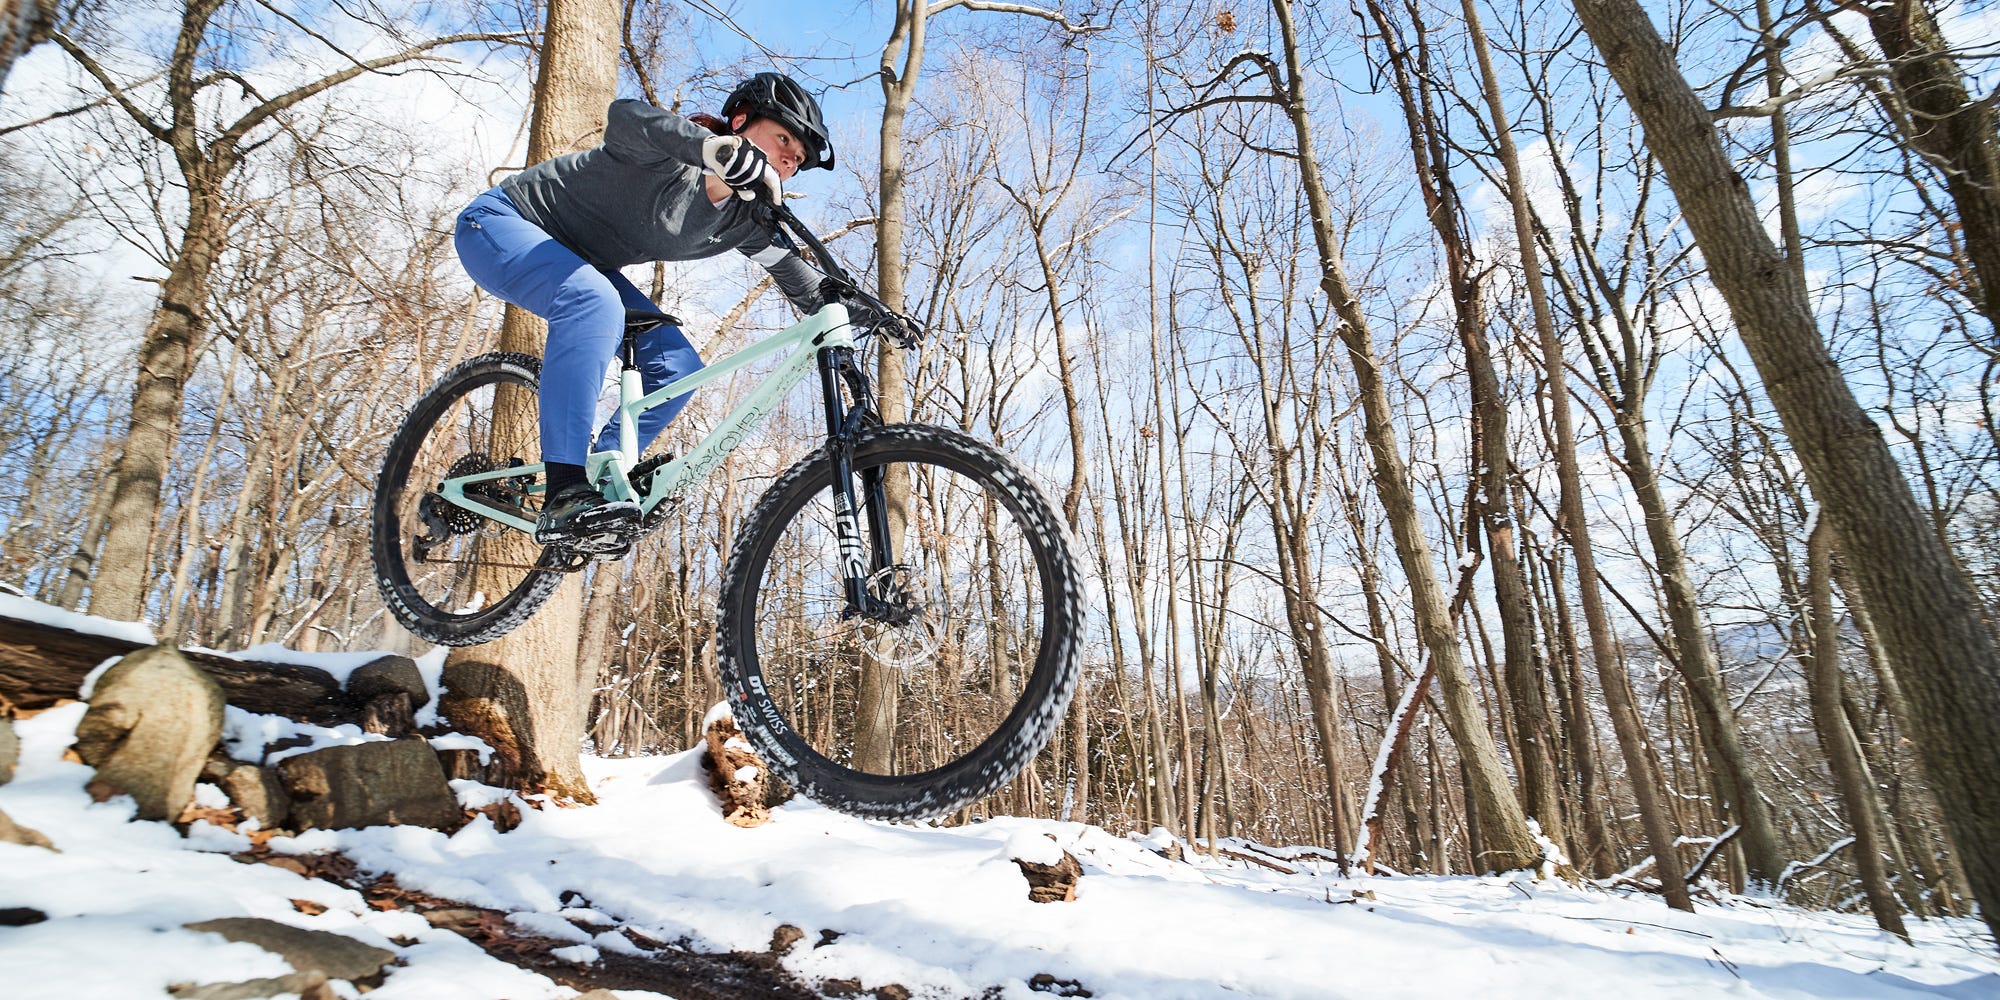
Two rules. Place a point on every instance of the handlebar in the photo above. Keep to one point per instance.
(902, 328)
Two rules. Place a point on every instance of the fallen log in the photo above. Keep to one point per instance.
(43, 665)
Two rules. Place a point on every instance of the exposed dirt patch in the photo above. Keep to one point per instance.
(668, 967)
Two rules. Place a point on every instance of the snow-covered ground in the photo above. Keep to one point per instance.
(940, 912)
(943, 912)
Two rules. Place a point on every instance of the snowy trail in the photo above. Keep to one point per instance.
(942, 912)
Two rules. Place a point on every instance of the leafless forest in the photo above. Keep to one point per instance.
(1644, 447)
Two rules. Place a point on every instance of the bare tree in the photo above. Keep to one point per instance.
(206, 153)
(1505, 841)
(1930, 620)
(526, 694)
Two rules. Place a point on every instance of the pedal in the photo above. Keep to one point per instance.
(607, 544)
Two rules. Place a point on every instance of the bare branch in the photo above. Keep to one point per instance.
(1226, 99)
(1044, 13)
(263, 112)
(112, 88)
(1767, 108)
(69, 112)
(1260, 60)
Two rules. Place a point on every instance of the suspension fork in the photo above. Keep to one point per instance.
(854, 496)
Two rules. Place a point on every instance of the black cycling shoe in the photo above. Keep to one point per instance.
(581, 512)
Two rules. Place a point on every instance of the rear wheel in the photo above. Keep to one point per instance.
(448, 574)
(975, 646)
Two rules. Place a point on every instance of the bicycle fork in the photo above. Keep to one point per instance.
(862, 558)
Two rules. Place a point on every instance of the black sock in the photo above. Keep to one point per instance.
(563, 475)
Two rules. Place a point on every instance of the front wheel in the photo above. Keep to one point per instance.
(965, 669)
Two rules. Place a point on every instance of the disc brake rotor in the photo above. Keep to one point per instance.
(910, 633)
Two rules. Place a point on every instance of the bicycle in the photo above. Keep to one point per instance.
(895, 565)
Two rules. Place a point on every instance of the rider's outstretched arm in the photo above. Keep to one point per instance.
(642, 134)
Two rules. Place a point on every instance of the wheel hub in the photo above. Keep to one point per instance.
(898, 628)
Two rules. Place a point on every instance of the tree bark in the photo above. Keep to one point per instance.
(527, 694)
(42, 666)
(1927, 612)
(1958, 135)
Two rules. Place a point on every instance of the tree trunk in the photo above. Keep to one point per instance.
(526, 694)
(166, 359)
(875, 726)
(24, 24)
(1505, 841)
(1956, 134)
(1837, 739)
(1928, 614)
(1533, 735)
(1709, 699)
(78, 571)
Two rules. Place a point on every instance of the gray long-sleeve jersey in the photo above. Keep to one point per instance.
(640, 197)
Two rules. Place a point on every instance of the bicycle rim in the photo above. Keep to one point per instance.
(451, 575)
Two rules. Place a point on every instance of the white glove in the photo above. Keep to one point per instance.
(743, 167)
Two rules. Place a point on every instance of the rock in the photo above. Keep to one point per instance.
(308, 985)
(390, 688)
(389, 715)
(256, 792)
(388, 675)
(20, 916)
(460, 763)
(392, 782)
(14, 833)
(10, 749)
(332, 956)
(1054, 883)
(784, 938)
(152, 721)
(1042, 982)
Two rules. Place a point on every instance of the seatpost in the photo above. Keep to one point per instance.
(629, 391)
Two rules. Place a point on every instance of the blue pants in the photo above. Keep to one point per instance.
(525, 266)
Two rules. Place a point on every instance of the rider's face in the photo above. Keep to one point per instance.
(778, 143)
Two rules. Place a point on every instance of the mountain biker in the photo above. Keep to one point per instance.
(551, 240)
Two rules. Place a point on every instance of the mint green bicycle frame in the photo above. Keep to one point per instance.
(827, 328)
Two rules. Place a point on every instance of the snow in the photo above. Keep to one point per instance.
(716, 713)
(245, 735)
(89, 684)
(941, 911)
(24, 609)
(1035, 847)
(464, 741)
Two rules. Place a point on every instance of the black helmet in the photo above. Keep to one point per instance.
(780, 98)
